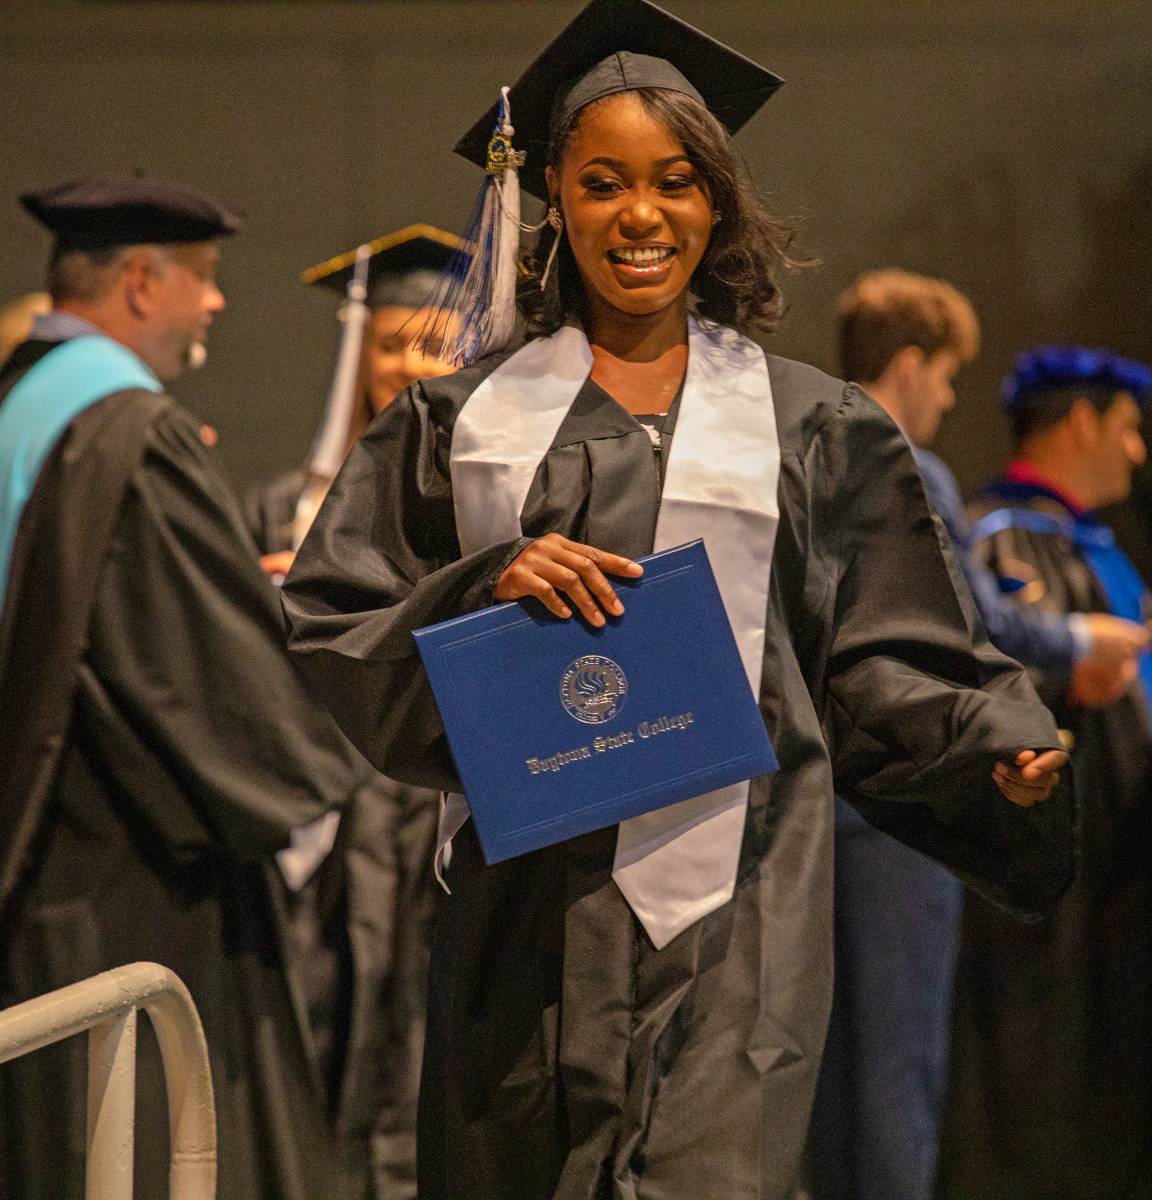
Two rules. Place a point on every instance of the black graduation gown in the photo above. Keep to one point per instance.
(158, 747)
(270, 511)
(361, 929)
(1051, 1091)
(566, 1056)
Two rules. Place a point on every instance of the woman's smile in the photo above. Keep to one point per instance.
(643, 264)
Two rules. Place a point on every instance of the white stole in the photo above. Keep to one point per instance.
(677, 864)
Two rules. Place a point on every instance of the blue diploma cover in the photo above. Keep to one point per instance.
(558, 728)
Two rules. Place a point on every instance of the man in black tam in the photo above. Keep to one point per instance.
(158, 745)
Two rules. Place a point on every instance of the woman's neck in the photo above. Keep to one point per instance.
(632, 337)
(639, 360)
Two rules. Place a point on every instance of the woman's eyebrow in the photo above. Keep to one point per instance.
(619, 165)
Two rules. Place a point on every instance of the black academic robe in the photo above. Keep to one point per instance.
(360, 932)
(270, 511)
(1051, 1091)
(566, 1056)
(158, 747)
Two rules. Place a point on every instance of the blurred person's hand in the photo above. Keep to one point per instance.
(1094, 686)
(279, 564)
(1114, 640)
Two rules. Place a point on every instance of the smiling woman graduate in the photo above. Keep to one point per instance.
(639, 1012)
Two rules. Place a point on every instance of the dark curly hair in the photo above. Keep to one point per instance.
(736, 281)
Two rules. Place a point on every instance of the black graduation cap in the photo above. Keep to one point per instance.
(617, 46)
(403, 267)
(122, 210)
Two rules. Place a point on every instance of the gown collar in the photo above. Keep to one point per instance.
(1022, 480)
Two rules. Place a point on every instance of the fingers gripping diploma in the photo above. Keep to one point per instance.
(1031, 777)
(553, 568)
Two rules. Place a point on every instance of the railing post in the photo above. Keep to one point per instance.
(191, 1110)
(111, 1108)
(109, 1001)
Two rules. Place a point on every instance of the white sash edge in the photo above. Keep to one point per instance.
(677, 864)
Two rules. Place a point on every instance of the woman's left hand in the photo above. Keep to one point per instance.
(1031, 777)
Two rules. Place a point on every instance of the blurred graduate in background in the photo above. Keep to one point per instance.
(361, 890)
(387, 285)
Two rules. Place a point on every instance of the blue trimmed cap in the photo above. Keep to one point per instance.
(1060, 366)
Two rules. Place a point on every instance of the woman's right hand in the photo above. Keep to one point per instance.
(553, 564)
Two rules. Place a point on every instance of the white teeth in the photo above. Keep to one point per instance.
(642, 256)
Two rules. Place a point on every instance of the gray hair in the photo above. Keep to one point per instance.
(87, 273)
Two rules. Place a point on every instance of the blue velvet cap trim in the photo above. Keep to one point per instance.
(1059, 366)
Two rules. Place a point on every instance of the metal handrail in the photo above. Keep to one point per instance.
(106, 1006)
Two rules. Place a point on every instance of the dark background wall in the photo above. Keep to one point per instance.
(1006, 146)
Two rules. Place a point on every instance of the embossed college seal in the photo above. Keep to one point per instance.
(593, 689)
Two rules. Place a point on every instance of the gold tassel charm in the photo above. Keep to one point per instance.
(501, 155)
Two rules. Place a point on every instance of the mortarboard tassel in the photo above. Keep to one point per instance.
(331, 444)
(478, 288)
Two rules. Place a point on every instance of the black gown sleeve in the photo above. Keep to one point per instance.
(188, 694)
(918, 705)
(382, 559)
(270, 510)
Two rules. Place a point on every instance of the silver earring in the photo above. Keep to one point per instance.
(554, 218)
(715, 219)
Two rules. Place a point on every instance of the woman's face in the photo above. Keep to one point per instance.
(636, 212)
(390, 363)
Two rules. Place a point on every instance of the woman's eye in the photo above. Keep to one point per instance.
(677, 183)
(600, 186)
